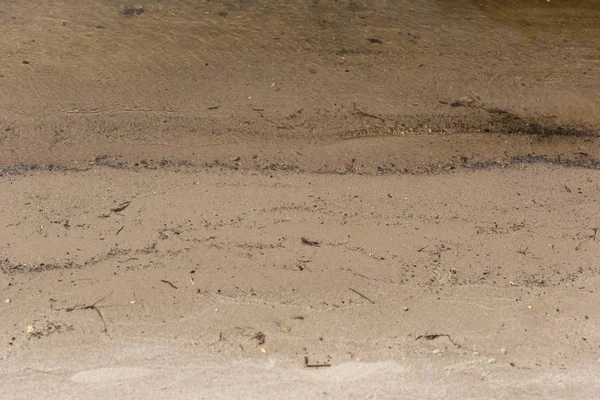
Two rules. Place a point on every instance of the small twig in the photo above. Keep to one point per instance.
(116, 210)
(307, 365)
(523, 251)
(591, 237)
(169, 283)
(310, 242)
(91, 307)
(121, 207)
(357, 111)
(362, 295)
(260, 337)
(438, 335)
(119, 231)
(422, 248)
(129, 259)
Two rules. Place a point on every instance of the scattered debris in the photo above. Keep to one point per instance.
(362, 295)
(310, 242)
(47, 330)
(169, 283)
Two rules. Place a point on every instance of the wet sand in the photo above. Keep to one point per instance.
(207, 199)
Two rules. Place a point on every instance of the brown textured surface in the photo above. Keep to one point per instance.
(443, 155)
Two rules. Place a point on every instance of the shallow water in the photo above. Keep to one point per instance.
(94, 74)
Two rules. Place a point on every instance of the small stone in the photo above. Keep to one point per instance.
(503, 350)
(405, 308)
(7, 301)
(491, 360)
(436, 351)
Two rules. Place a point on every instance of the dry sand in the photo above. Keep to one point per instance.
(299, 200)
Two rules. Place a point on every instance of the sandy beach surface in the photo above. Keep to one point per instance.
(300, 199)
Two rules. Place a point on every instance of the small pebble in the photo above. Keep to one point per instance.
(503, 350)
(436, 351)
(7, 301)
(491, 360)
(405, 308)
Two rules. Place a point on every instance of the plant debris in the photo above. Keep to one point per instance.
(121, 207)
(116, 210)
(434, 336)
(260, 337)
(169, 283)
(130, 12)
(590, 237)
(309, 242)
(90, 307)
(362, 295)
(316, 365)
(283, 327)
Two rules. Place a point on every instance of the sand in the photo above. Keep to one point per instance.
(299, 200)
